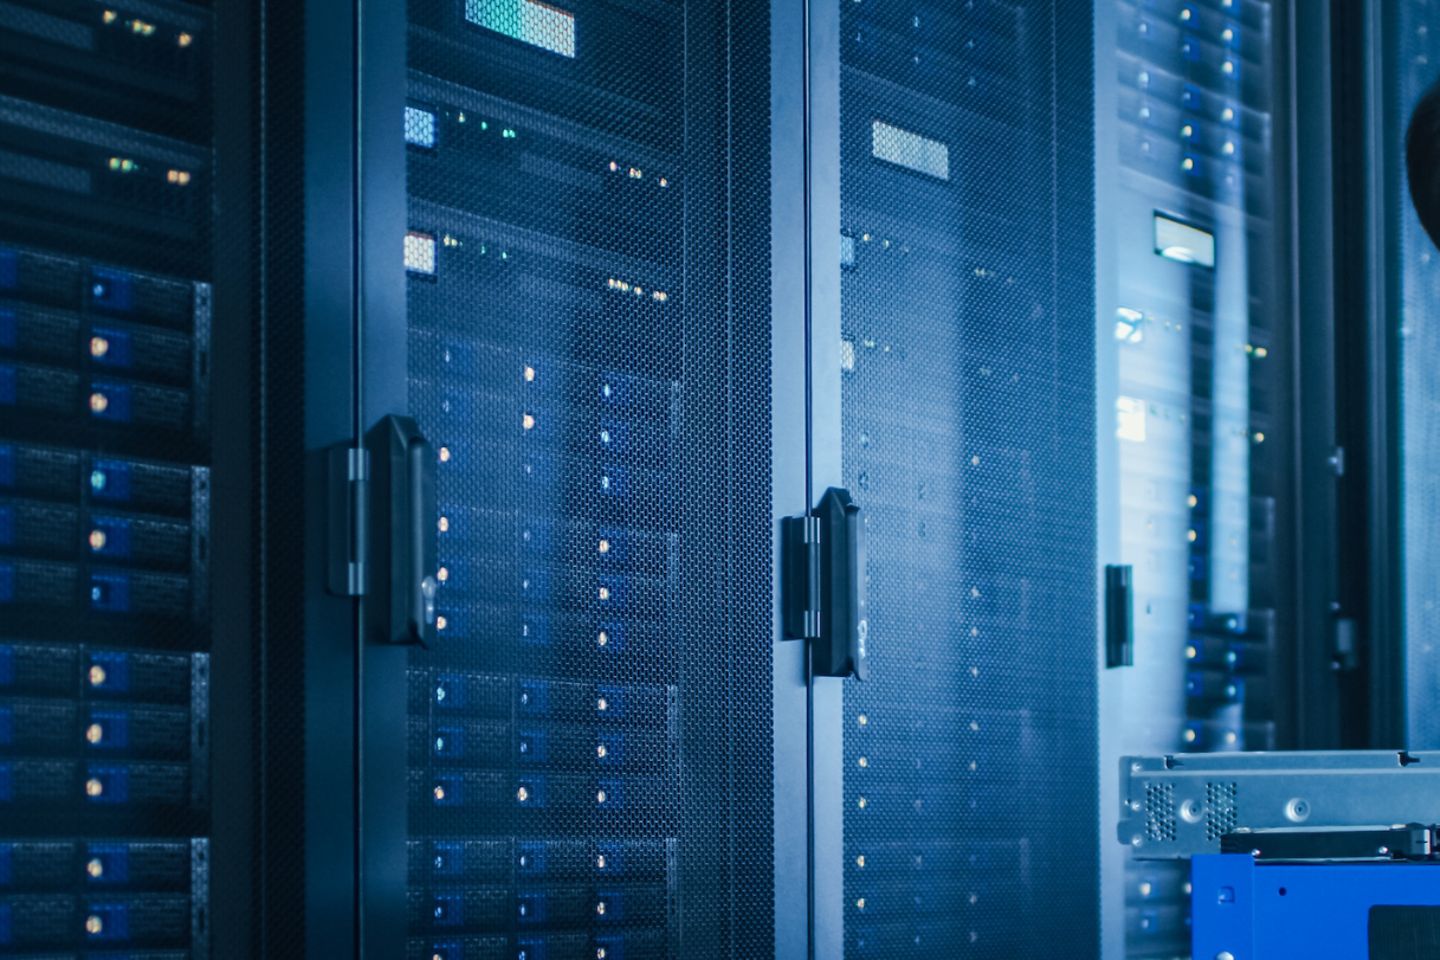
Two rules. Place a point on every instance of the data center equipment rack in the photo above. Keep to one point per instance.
(966, 387)
(106, 243)
(1194, 329)
(588, 755)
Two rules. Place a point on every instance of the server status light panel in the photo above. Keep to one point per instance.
(546, 200)
(105, 319)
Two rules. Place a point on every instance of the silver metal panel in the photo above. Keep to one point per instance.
(1180, 805)
(789, 493)
(827, 758)
(1115, 687)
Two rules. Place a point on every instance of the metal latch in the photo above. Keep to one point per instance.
(347, 519)
(1119, 615)
(400, 607)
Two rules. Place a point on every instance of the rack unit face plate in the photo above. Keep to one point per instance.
(108, 273)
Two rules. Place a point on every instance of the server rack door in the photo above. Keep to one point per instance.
(1194, 411)
(125, 323)
(572, 297)
(1409, 70)
(956, 384)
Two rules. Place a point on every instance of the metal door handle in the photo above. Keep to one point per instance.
(403, 531)
(842, 650)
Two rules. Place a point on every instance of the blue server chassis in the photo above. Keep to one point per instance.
(1259, 911)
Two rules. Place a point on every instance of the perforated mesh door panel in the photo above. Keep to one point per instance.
(1416, 32)
(967, 402)
(110, 256)
(587, 258)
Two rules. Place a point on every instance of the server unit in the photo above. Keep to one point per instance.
(107, 243)
(1194, 410)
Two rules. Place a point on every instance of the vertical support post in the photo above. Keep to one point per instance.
(381, 378)
(1312, 332)
(789, 403)
(321, 752)
(1384, 193)
(228, 487)
(822, 268)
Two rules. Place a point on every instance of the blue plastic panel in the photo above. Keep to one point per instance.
(1279, 911)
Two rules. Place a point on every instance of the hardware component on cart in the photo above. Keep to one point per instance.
(1403, 841)
(1182, 805)
(1248, 909)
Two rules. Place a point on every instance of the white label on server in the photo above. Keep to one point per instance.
(1182, 242)
(910, 150)
(538, 24)
(1130, 419)
(420, 252)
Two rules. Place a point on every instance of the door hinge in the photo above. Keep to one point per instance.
(347, 533)
(800, 587)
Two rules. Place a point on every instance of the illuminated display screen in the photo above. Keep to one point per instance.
(538, 24)
(420, 252)
(419, 127)
(1183, 243)
(910, 150)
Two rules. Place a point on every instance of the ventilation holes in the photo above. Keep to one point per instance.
(1220, 801)
(1160, 812)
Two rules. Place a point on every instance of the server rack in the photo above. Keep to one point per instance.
(596, 294)
(109, 349)
(1194, 409)
(951, 377)
(584, 247)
